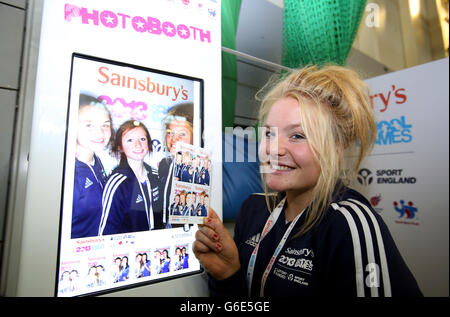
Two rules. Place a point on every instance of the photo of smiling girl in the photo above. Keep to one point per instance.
(94, 133)
(131, 198)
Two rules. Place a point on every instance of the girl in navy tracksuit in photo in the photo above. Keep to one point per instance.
(311, 235)
(165, 261)
(131, 198)
(178, 126)
(124, 273)
(174, 207)
(200, 210)
(94, 133)
(184, 258)
(146, 265)
(188, 171)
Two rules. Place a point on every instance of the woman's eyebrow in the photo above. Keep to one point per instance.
(293, 126)
(288, 127)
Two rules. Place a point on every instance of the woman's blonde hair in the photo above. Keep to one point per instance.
(338, 116)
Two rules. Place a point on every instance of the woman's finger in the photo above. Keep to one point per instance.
(212, 214)
(210, 233)
(206, 241)
(199, 247)
(215, 224)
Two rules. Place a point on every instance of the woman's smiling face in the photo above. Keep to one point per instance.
(135, 144)
(94, 128)
(285, 153)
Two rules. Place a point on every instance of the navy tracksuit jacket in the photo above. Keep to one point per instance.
(126, 203)
(350, 252)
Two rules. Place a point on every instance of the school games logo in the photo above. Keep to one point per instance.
(395, 131)
(407, 212)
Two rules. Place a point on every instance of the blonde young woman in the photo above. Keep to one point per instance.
(311, 235)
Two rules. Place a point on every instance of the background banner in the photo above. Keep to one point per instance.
(406, 175)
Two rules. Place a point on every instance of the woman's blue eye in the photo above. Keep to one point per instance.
(298, 136)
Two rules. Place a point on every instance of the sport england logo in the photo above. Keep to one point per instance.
(364, 177)
(384, 176)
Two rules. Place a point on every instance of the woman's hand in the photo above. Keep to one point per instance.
(215, 248)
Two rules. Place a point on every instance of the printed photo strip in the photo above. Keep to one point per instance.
(189, 199)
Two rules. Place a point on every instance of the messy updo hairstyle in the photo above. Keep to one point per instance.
(338, 123)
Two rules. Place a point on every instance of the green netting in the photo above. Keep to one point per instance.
(230, 15)
(319, 31)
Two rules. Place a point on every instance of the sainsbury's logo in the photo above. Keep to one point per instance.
(382, 100)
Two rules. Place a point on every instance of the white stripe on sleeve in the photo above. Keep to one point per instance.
(368, 238)
(383, 260)
(108, 194)
(359, 273)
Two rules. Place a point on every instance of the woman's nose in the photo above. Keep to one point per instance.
(98, 132)
(280, 147)
(176, 137)
(276, 146)
(137, 144)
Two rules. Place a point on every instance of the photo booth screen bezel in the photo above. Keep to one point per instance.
(198, 126)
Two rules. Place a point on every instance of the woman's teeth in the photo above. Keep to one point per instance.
(280, 168)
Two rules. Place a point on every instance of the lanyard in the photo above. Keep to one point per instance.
(149, 211)
(267, 227)
(166, 194)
